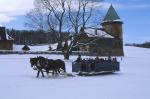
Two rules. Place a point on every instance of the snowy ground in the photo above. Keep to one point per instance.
(18, 81)
(32, 48)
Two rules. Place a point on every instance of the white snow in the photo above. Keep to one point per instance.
(18, 80)
(32, 48)
(35, 48)
(96, 32)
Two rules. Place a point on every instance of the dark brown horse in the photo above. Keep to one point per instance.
(56, 66)
(41, 63)
(38, 64)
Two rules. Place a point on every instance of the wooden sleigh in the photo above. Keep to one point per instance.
(96, 68)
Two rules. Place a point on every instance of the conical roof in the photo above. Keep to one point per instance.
(111, 15)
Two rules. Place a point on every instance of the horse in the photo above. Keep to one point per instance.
(56, 66)
(48, 65)
(38, 64)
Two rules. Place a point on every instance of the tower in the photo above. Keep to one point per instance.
(112, 23)
(6, 42)
(2, 33)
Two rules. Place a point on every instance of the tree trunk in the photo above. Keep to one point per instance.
(66, 56)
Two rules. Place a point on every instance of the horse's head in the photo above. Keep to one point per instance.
(33, 62)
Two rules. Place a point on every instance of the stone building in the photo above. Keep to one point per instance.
(6, 42)
(104, 41)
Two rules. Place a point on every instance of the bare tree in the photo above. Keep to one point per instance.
(36, 17)
(57, 10)
(80, 15)
(78, 18)
(54, 15)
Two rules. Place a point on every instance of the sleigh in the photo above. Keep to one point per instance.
(95, 68)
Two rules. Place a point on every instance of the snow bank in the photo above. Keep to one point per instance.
(32, 48)
(37, 47)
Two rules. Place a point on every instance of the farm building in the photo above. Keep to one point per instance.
(104, 41)
(6, 42)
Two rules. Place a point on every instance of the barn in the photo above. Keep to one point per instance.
(6, 42)
(106, 40)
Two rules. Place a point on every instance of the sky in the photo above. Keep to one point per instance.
(134, 13)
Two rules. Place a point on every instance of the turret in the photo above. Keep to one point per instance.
(2, 33)
(112, 23)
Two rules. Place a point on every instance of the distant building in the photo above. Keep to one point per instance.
(6, 42)
(104, 41)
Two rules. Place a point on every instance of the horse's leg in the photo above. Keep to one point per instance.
(47, 72)
(55, 72)
(38, 73)
(52, 72)
(59, 70)
(64, 70)
(42, 73)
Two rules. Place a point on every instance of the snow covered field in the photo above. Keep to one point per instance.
(18, 80)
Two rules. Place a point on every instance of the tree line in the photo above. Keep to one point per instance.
(33, 37)
(144, 45)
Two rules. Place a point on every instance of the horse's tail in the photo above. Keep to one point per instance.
(64, 67)
(61, 64)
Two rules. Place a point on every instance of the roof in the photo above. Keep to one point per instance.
(4, 35)
(97, 32)
(90, 36)
(8, 37)
(111, 15)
